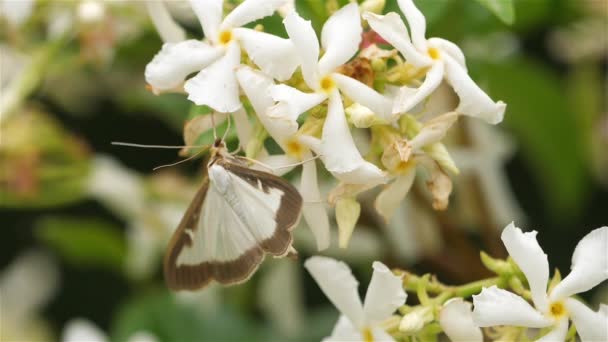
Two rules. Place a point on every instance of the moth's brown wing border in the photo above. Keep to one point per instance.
(290, 208)
(195, 277)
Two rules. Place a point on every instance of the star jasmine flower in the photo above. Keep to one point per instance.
(358, 321)
(340, 39)
(442, 58)
(456, 320)
(167, 28)
(552, 308)
(284, 131)
(217, 57)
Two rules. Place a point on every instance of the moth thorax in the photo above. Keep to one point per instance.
(219, 178)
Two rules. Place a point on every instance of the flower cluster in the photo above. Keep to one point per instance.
(366, 70)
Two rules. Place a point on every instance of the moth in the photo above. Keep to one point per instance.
(237, 216)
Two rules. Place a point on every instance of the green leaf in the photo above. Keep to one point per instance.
(503, 9)
(84, 242)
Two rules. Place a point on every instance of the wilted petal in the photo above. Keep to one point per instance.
(79, 330)
(450, 48)
(494, 306)
(216, 85)
(590, 325)
(249, 11)
(390, 198)
(340, 38)
(175, 61)
(531, 259)
(274, 55)
(393, 30)
(384, 294)
(473, 101)
(304, 38)
(456, 320)
(242, 126)
(407, 99)
(416, 21)
(558, 333)
(337, 282)
(589, 265)
(313, 208)
(364, 95)
(343, 331)
(209, 13)
(338, 150)
(434, 130)
(292, 102)
(168, 29)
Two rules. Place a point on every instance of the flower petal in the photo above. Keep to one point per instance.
(249, 11)
(242, 126)
(168, 29)
(409, 98)
(589, 265)
(384, 294)
(390, 198)
(416, 21)
(175, 61)
(338, 150)
(456, 320)
(274, 55)
(209, 13)
(276, 162)
(78, 330)
(473, 101)
(304, 39)
(343, 331)
(558, 333)
(292, 102)
(313, 208)
(379, 104)
(393, 30)
(494, 306)
(450, 48)
(531, 259)
(340, 38)
(216, 85)
(590, 325)
(433, 130)
(339, 285)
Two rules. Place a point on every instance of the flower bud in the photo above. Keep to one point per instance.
(347, 215)
(374, 6)
(414, 321)
(361, 116)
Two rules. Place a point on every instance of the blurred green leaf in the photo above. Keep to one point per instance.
(84, 242)
(503, 9)
(546, 128)
(313, 10)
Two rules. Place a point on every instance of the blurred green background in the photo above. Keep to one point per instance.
(89, 220)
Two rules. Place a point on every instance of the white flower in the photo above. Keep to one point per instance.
(80, 330)
(216, 59)
(456, 320)
(358, 322)
(256, 87)
(340, 39)
(444, 59)
(168, 29)
(494, 306)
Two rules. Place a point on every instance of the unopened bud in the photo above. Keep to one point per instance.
(361, 116)
(414, 321)
(347, 215)
(374, 6)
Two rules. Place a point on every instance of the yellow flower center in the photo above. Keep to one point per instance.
(367, 335)
(225, 37)
(434, 53)
(327, 84)
(557, 310)
(294, 148)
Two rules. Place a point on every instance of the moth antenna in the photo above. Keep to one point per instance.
(316, 202)
(271, 168)
(299, 163)
(118, 143)
(181, 161)
(227, 128)
(238, 149)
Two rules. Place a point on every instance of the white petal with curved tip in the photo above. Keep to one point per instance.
(175, 61)
(216, 85)
(304, 39)
(339, 285)
(249, 11)
(450, 48)
(344, 330)
(168, 29)
(393, 30)
(416, 21)
(358, 92)
(590, 325)
(409, 98)
(558, 333)
(313, 208)
(434, 130)
(494, 306)
(390, 198)
(79, 330)
(338, 150)
(456, 320)
(531, 259)
(589, 265)
(292, 102)
(340, 38)
(275, 56)
(384, 294)
(473, 101)
(209, 13)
